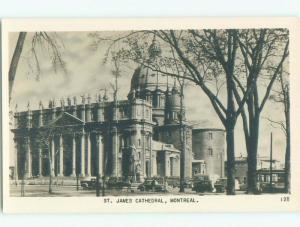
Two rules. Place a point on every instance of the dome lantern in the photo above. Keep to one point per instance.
(154, 49)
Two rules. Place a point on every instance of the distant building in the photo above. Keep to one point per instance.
(241, 167)
(264, 163)
(136, 138)
(199, 167)
(263, 166)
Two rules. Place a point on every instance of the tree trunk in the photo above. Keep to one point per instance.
(230, 159)
(51, 174)
(252, 163)
(183, 143)
(288, 166)
(252, 156)
(15, 61)
(230, 125)
(288, 146)
(252, 182)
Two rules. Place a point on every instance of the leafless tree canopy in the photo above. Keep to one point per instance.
(242, 65)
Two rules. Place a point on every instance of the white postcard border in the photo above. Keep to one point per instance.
(220, 203)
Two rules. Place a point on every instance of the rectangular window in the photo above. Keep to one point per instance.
(210, 136)
(210, 151)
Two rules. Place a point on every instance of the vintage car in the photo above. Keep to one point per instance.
(88, 183)
(117, 183)
(220, 185)
(186, 183)
(152, 185)
(202, 183)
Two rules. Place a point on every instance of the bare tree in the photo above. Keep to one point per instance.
(46, 135)
(182, 133)
(264, 52)
(282, 95)
(15, 60)
(206, 58)
(48, 42)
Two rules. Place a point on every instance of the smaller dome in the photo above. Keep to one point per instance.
(173, 98)
(175, 101)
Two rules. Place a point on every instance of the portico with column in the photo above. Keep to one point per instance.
(28, 159)
(100, 154)
(85, 140)
(88, 154)
(73, 174)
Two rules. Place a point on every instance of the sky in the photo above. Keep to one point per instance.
(86, 74)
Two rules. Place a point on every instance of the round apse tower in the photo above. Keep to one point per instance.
(209, 145)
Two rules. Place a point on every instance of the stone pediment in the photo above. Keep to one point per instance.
(66, 119)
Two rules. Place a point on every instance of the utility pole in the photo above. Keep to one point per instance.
(182, 138)
(116, 114)
(98, 169)
(98, 185)
(116, 73)
(77, 182)
(271, 161)
(103, 186)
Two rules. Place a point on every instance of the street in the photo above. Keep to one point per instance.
(71, 191)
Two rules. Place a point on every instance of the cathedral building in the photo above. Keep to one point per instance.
(145, 136)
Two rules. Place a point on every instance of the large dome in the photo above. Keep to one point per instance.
(145, 78)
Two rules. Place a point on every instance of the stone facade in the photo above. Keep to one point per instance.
(144, 136)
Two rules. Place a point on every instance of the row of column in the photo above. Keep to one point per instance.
(57, 155)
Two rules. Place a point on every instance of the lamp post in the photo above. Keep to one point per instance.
(103, 186)
(98, 185)
(77, 182)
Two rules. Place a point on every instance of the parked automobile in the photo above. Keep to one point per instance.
(152, 185)
(88, 183)
(202, 183)
(274, 188)
(186, 184)
(117, 183)
(221, 185)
